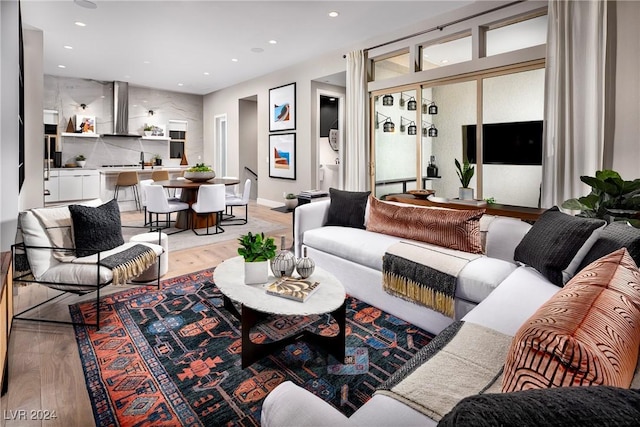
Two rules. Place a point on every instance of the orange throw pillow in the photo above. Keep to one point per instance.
(586, 334)
(449, 228)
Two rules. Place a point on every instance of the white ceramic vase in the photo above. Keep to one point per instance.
(465, 193)
(256, 272)
(291, 203)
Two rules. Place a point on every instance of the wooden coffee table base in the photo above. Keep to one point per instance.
(252, 352)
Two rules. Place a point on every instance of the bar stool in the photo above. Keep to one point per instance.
(128, 179)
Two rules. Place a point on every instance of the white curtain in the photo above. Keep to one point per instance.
(356, 140)
(575, 98)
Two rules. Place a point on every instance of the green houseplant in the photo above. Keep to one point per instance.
(611, 198)
(81, 160)
(257, 250)
(148, 130)
(465, 173)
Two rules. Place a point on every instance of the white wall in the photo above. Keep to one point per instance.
(626, 153)
(226, 101)
(9, 102)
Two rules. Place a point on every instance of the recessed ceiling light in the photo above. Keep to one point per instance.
(68, 47)
(146, 62)
(273, 42)
(180, 84)
(80, 24)
(86, 3)
(234, 59)
(62, 66)
(206, 73)
(444, 61)
(257, 50)
(333, 14)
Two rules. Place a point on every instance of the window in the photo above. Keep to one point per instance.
(446, 53)
(518, 35)
(394, 66)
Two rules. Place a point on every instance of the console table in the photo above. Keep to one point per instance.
(6, 315)
(522, 212)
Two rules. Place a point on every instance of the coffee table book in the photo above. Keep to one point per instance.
(292, 288)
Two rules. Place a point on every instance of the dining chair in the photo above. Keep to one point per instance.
(159, 203)
(160, 175)
(210, 200)
(143, 198)
(238, 200)
(128, 179)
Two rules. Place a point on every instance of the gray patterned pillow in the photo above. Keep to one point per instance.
(553, 241)
(613, 237)
(96, 229)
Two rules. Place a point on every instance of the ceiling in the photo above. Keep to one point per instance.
(201, 46)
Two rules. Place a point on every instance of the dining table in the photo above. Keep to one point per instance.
(189, 194)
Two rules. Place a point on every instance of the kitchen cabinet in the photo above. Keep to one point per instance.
(6, 315)
(73, 184)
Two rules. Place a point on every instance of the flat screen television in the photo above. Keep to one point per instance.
(515, 143)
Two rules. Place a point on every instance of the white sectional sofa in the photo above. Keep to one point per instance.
(493, 292)
(354, 256)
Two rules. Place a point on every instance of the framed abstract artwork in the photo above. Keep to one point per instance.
(282, 108)
(85, 124)
(282, 156)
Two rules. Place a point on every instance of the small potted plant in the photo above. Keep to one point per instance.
(157, 158)
(256, 250)
(148, 130)
(290, 201)
(465, 173)
(81, 160)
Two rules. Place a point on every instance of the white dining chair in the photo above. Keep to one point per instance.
(143, 198)
(158, 203)
(211, 200)
(238, 200)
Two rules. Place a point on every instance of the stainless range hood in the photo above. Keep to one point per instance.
(121, 111)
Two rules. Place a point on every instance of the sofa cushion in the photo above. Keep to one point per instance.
(480, 277)
(586, 334)
(33, 234)
(96, 229)
(565, 406)
(553, 242)
(614, 236)
(449, 228)
(347, 208)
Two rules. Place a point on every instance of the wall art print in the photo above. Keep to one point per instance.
(85, 124)
(282, 108)
(282, 156)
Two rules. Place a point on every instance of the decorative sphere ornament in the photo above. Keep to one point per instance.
(305, 265)
(284, 262)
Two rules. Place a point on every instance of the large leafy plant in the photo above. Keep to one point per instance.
(255, 247)
(465, 172)
(611, 198)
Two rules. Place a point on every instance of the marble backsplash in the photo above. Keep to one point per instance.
(65, 95)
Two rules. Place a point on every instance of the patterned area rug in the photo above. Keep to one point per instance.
(172, 357)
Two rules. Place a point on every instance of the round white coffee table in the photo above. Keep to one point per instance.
(328, 298)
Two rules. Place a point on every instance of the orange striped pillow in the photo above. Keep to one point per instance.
(450, 228)
(586, 334)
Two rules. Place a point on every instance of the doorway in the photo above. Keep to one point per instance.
(248, 143)
(330, 119)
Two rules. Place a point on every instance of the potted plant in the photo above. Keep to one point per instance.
(199, 173)
(81, 160)
(148, 130)
(256, 251)
(611, 198)
(465, 173)
(157, 158)
(290, 201)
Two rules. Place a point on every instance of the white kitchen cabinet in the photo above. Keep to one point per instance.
(78, 184)
(52, 186)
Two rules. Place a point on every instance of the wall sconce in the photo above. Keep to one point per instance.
(412, 104)
(431, 108)
(83, 106)
(151, 112)
(412, 129)
(431, 131)
(388, 125)
(387, 100)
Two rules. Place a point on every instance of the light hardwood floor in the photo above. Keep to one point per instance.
(45, 374)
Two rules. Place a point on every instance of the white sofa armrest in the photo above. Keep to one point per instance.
(307, 217)
(503, 237)
(290, 405)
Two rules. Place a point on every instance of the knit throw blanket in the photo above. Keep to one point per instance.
(129, 263)
(424, 274)
(463, 360)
